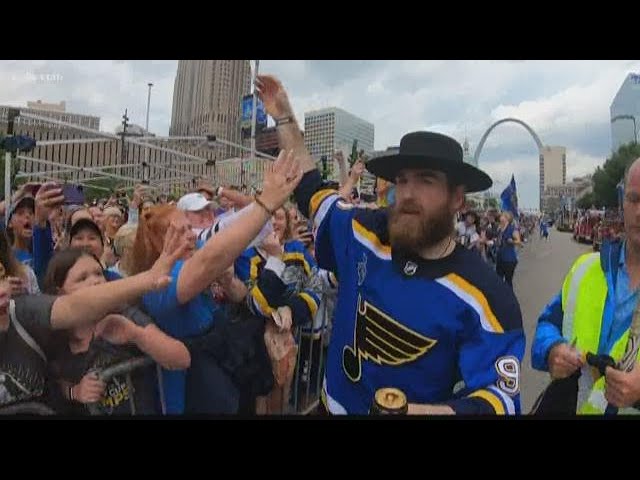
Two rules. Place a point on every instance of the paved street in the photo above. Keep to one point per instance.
(538, 277)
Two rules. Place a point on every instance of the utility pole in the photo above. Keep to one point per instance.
(12, 114)
(123, 149)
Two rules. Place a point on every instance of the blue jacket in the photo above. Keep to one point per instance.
(43, 250)
(549, 328)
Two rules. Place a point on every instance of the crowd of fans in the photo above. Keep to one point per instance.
(219, 289)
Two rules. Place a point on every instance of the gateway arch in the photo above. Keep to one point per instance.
(535, 137)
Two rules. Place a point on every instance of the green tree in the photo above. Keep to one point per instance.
(14, 171)
(609, 175)
(91, 193)
(586, 201)
(491, 202)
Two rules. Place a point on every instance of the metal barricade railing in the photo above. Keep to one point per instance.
(309, 370)
(27, 408)
(123, 368)
(302, 395)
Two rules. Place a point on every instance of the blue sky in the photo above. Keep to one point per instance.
(566, 102)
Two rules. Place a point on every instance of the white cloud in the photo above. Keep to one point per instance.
(502, 170)
(566, 102)
(580, 163)
(375, 87)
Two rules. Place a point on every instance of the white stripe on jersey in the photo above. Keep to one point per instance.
(228, 219)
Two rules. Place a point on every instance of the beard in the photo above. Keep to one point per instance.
(412, 230)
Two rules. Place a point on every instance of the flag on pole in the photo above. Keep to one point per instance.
(509, 198)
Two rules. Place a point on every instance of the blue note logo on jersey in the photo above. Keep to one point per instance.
(382, 340)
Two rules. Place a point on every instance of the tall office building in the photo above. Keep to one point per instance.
(553, 168)
(207, 100)
(55, 111)
(625, 112)
(332, 129)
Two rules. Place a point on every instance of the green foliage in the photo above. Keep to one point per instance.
(90, 193)
(14, 172)
(587, 201)
(490, 203)
(609, 175)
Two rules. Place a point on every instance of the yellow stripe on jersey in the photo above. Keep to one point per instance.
(478, 301)
(253, 270)
(313, 306)
(317, 200)
(263, 305)
(370, 240)
(297, 256)
(491, 398)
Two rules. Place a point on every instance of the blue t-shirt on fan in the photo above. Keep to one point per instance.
(507, 252)
(179, 321)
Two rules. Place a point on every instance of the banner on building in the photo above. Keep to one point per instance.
(247, 113)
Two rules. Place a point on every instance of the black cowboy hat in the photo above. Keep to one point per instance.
(433, 151)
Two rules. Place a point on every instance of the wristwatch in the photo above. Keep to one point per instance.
(283, 120)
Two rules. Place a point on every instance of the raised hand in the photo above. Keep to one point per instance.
(138, 196)
(357, 170)
(177, 242)
(273, 96)
(48, 198)
(280, 179)
(23, 190)
(271, 245)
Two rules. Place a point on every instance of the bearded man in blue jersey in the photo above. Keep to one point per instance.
(415, 311)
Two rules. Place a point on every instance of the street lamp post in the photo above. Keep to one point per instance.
(253, 125)
(254, 111)
(628, 117)
(148, 104)
(145, 164)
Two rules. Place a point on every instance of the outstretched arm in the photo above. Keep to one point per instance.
(210, 261)
(91, 304)
(276, 103)
(342, 166)
(165, 350)
(352, 180)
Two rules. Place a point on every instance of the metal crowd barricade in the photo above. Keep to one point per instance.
(125, 368)
(27, 408)
(310, 366)
(304, 395)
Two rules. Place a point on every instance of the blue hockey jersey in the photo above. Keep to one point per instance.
(445, 331)
(299, 285)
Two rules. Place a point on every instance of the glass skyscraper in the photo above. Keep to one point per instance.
(625, 112)
(332, 129)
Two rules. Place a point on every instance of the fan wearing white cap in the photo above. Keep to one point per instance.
(198, 209)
